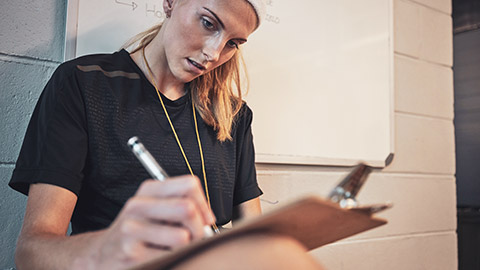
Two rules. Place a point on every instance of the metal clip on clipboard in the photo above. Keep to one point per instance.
(344, 193)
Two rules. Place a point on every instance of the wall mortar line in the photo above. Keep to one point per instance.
(397, 53)
(428, 7)
(28, 60)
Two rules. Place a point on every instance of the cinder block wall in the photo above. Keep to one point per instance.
(420, 181)
(31, 46)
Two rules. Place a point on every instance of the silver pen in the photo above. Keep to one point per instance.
(154, 169)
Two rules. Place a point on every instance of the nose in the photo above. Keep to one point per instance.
(213, 48)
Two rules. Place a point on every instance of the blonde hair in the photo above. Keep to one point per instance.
(217, 94)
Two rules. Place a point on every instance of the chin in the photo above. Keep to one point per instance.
(186, 77)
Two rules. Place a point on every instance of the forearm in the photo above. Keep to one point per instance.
(247, 210)
(50, 251)
(257, 250)
(161, 216)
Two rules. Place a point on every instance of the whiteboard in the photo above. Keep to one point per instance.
(320, 72)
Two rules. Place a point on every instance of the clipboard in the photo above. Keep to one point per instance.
(311, 220)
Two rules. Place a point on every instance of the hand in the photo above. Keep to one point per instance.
(160, 217)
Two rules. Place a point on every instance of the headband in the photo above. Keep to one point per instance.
(260, 8)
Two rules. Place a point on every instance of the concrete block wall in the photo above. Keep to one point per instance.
(420, 181)
(31, 46)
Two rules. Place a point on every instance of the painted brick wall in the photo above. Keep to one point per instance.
(31, 46)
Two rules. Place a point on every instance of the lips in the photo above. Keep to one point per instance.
(197, 65)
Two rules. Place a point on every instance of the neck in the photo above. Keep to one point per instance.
(160, 76)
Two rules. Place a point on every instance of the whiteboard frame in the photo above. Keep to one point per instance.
(327, 161)
(71, 30)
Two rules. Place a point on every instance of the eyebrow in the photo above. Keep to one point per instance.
(216, 17)
(221, 23)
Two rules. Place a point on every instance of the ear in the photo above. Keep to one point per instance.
(167, 7)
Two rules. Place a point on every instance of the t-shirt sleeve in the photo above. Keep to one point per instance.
(246, 186)
(55, 145)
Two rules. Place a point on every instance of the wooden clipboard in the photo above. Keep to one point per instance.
(312, 221)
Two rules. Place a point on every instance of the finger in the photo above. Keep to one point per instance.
(154, 235)
(181, 186)
(181, 211)
(133, 250)
(150, 253)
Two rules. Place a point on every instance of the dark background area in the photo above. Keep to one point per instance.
(466, 67)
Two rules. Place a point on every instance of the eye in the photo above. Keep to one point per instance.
(207, 24)
(232, 44)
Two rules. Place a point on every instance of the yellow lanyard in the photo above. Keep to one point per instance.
(175, 133)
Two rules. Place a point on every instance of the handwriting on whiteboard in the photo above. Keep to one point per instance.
(151, 9)
(271, 17)
(148, 8)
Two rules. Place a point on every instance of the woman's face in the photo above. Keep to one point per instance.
(201, 35)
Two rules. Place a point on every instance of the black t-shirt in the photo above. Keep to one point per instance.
(77, 139)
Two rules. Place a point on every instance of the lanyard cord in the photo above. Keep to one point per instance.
(176, 136)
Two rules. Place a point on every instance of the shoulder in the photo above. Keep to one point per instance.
(243, 119)
(72, 76)
(245, 113)
(103, 63)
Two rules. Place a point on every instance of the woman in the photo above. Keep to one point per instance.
(175, 93)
